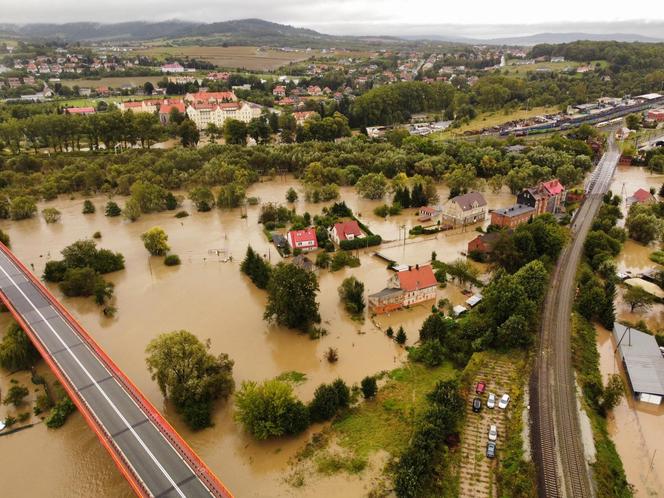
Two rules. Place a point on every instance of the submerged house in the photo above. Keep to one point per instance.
(414, 285)
(465, 209)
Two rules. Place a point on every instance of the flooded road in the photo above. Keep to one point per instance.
(213, 300)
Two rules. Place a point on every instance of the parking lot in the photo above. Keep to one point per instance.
(476, 474)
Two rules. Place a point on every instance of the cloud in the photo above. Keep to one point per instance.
(343, 16)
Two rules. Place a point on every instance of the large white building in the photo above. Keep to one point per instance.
(204, 114)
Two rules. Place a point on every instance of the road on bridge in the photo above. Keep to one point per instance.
(151, 455)
(556, 435)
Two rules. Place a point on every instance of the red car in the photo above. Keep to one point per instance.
(480, 387)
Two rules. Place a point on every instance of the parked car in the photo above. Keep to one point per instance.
(477, 405)
(491, 449)
(504, 401)
(491, 402)
(480, 387)
(493, 433)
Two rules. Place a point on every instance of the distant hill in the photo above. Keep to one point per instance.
(541, 38)
(237, 32)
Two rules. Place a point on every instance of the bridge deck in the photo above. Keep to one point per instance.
(155, 460)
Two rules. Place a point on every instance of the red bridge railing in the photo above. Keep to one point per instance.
(201, 470)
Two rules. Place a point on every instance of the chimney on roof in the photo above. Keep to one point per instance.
(417, 267)
(410, 268)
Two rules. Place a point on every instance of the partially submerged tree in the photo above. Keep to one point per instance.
(155, 241)
(189, 375)
(292, 297)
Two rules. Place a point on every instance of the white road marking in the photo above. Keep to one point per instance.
(111, 404)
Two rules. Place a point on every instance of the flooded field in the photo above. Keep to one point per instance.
(636, 429)
(213, 300)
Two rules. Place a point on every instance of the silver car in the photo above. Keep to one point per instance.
(491, 402)
(493, 433)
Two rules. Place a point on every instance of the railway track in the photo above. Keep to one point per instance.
(556, 436)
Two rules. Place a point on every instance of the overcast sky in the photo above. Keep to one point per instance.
(353, 16)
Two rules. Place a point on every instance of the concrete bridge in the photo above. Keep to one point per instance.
(153, 458)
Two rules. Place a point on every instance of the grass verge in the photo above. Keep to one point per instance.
(608, 470)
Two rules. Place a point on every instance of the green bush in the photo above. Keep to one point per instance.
(58, 416)
(112, 209)
(4, 238)
(172, 260)
(88, 207)
(359, 243)
(181, 214)
(343, 258)
(369, 387)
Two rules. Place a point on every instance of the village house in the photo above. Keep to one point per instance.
(279, 91)
(345, 230)
(301, 117)
(413, 286)
(546, 197)
(81, 111)
(175, 67)
(483, 244)
(429, 212)
(465, 209)
(512, 216)
(656, 115)
(641, 196)
(304, 240)
(141, 106)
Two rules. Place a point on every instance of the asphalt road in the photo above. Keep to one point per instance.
(159, 467)
(557, 444)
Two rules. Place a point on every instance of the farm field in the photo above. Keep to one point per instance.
(250, 58)
(113, 81)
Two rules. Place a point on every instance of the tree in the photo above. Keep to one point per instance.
(148, 88)
(189, 134)
(291, 195)
(51, 215)
(213, 132)
(16, 350)
(256, 268)
(4, 238)
(15, 395)
(235, 132)
(270, 409)
(325, 404)
(80, 282)
(292, 297)
(351, 292)
(642, 224)
(633, 121)
(189, 375)
(155, 241)
(372, 186)
(613, 391)
(88, 207)
(112, 209)
(369, 387)
(259, 130)
(23, 207)
(638, 298)
(401, 337)
(132, 210)
(203, 198)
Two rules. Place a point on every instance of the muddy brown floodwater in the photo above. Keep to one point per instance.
(213, 300)
(636, 428)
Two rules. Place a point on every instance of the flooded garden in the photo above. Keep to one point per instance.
(209, 296)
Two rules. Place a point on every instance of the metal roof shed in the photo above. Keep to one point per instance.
(643, 362)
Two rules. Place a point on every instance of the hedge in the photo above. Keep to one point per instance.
(370, 240)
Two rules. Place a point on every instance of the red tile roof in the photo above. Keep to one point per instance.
(553, 187)
(346, 228)
(642, 195)
(212, 96)
(417, 278)
(306, 235)
(80, 110)
(166, 108)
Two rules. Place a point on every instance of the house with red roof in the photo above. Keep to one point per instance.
(279, 91)
(409, 287)
(210, 97)
(175, 67)
(641, 196)
(302, 116)
(345, 230)
(546, 197)
(305, 240)
(82, 111)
